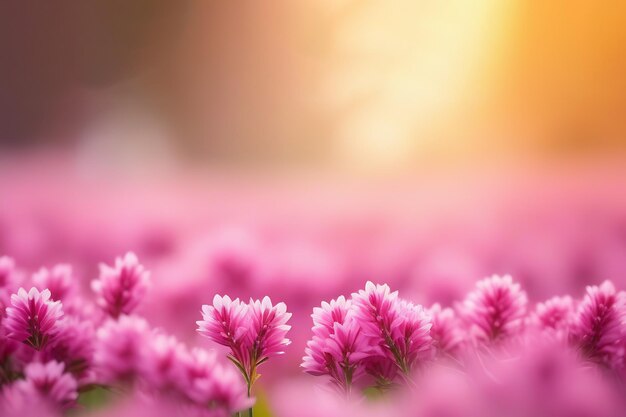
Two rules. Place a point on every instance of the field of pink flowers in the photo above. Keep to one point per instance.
(491, 297)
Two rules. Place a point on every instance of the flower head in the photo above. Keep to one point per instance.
(32, 318)
(121, 288)
(496, 309)
(253, 332)
(226, 323)
(268, 328)
(599, 328)
(555, 313)
(73, 346)
(58, 280)
(410, 332)
(193, 378)
(400, 329)
(375, 309)
(120, 348)
(445, 331)
(49, 382)
(338, 346)
(325, 317)
(212, 386)
(163, 363)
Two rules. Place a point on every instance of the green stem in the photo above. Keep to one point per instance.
(249, 390)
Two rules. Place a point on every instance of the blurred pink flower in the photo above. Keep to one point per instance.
(195, 380)
(33, 318)
(162, 365)
(58, 280)
(554, 314)
(73, 346)
(545, 379)
(214, 388)
(120, 349)
(14, 403)
(599, 325)
(233, 259)
(445, 331)
(121, 288)
(496, 309)
(49, 382)
(296, 398)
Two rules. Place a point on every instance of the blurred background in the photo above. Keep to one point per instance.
(362, 86)
(297, 149)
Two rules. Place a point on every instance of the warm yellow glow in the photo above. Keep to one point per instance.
(400, 69)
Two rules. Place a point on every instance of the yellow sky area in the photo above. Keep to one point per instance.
(462, 79)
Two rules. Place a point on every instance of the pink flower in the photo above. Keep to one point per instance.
(446, 332)
(325, 317)
(401, 330)
(48, 382)
(120, 348)
(555, 313)
(543, 378)
(163, 367)
(193, 379)
(599, 328)
(73, 346)
(14, 403)
(226, 323)
(58, 280)
(338, 346)
(32, 318)
(253, 332)
(375, 309)
(410, 332)
(495, 310)
(121, 288)
(212, 386)
(317, 362)
(268, 328)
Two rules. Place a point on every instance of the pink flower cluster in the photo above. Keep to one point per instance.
(120, 288)
(376, 338)
(373, 334)
(55, 344)
(58, 345)
(253, 332)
